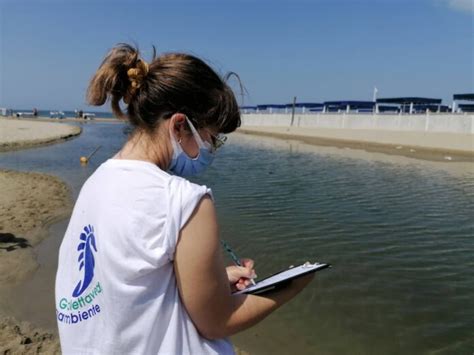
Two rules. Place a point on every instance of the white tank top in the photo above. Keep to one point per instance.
(116, 291)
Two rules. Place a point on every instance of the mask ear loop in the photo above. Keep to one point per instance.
(175, 143)
(196, 135)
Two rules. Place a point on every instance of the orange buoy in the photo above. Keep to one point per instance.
(85, 160)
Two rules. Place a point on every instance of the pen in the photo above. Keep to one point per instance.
(234, 257)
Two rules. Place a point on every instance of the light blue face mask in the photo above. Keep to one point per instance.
(184, 165)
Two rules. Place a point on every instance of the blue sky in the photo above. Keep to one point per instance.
(316, 50)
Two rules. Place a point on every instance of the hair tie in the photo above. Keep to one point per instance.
(136, 76)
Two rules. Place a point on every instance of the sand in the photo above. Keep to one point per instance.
(29, 203)
(23, 133)
(435, 146)
(22, 338)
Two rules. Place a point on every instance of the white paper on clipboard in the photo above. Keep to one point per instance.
(271, 282)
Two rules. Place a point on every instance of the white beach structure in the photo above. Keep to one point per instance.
(461, 107)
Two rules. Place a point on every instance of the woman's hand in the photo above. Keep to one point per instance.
(203, 281)
(239, 276)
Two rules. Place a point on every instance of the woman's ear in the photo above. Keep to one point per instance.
(178, 125)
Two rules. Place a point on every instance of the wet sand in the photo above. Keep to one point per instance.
(436, 146)
(30, 202)
(25, 133)
(22, 338)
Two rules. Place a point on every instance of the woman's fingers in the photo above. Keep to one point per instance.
(240, 286)
(240, 276)
(248, 273)
(243, 284)
(247, 263)
(244, 281)
(235, 273)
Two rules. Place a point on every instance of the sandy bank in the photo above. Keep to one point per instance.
(22, 338)
(29, 203)
(431, 146)
(22, 133)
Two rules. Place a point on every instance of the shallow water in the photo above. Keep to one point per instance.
(398, 232)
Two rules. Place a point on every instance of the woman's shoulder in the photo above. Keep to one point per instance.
(181, 186)
(132, 166)
(119, 179)
(184, 196)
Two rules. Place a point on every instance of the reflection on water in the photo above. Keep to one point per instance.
(398, 232)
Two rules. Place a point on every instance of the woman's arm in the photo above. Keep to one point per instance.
(204, 286)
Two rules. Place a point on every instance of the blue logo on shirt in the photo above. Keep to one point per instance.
(86, 259)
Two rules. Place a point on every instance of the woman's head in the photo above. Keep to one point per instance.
(171, 83)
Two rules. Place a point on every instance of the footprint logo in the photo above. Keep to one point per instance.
(86, 260)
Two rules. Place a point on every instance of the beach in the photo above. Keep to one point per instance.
(22, 338)
(30, 202)
(23, 133)
(437, 146)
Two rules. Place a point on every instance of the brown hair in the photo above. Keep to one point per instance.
(170, 83)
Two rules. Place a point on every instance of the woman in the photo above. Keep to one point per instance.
(140, 267)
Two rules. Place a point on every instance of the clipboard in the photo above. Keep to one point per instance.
(282, 277)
